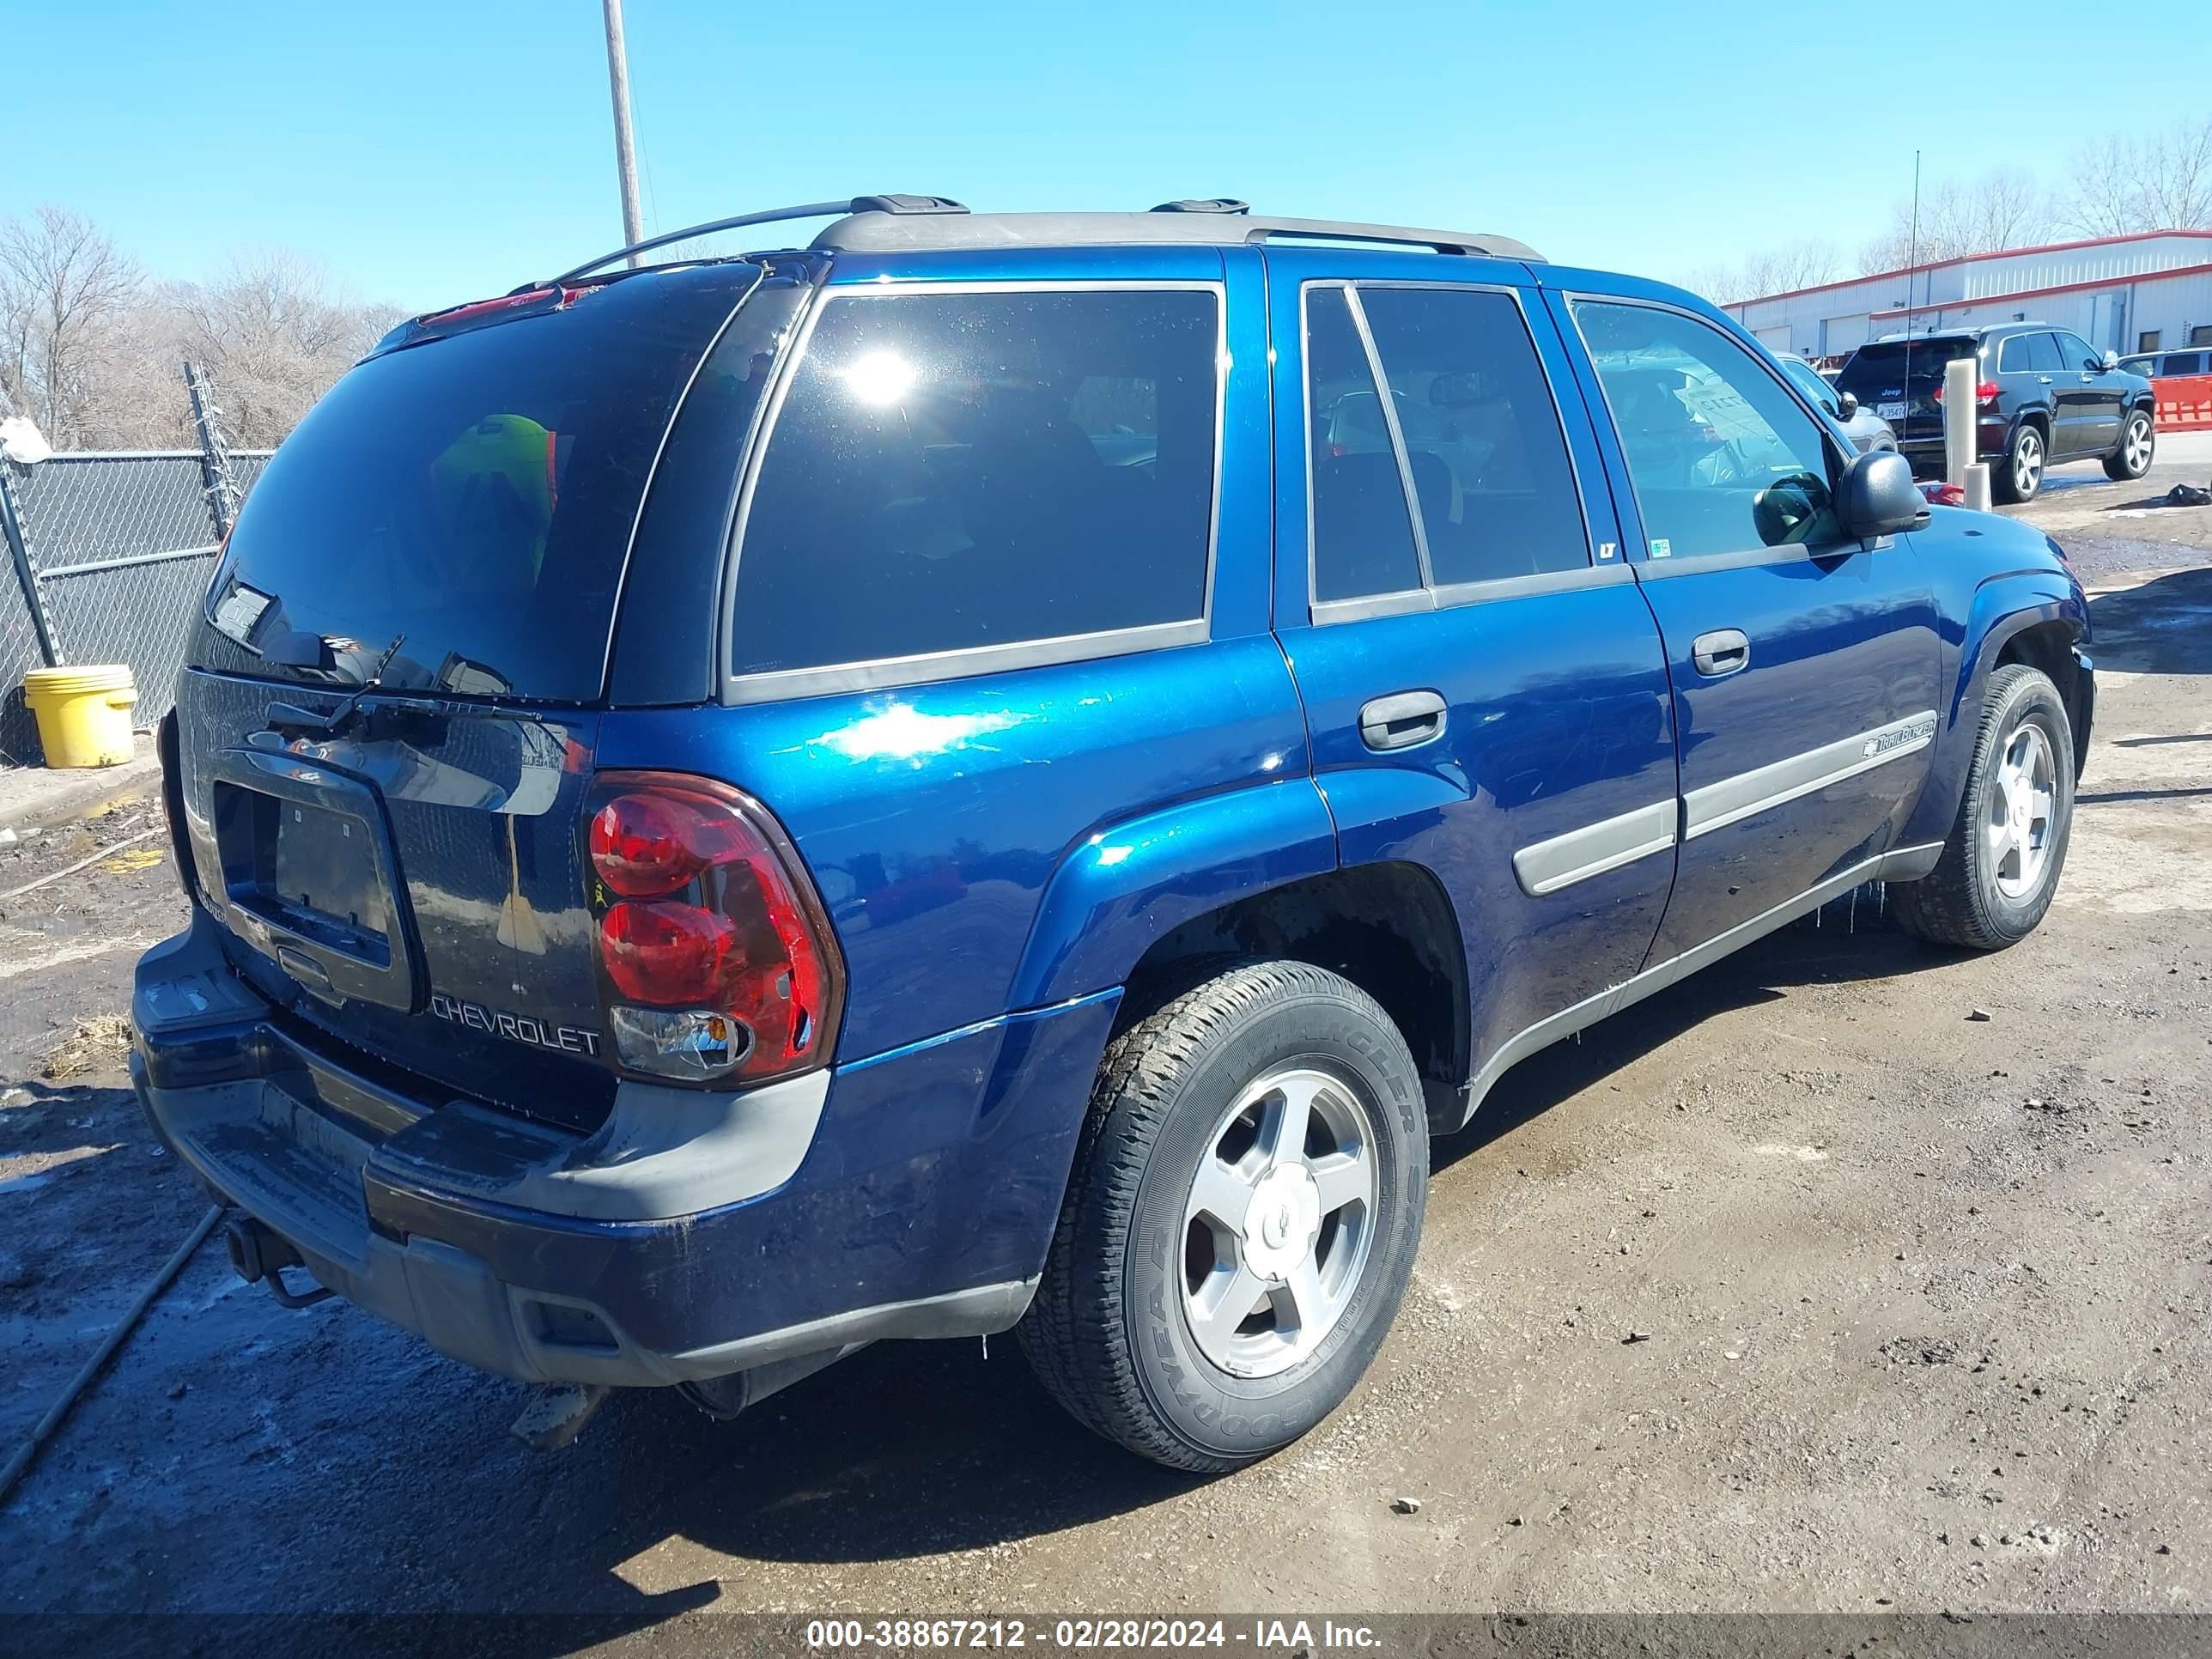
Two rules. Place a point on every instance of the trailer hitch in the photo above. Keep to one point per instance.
(259, 1256)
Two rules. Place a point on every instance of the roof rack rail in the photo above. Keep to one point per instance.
(922, 204)
(1345, 230)
(1223, 221)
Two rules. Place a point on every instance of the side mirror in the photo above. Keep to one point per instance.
(2111, 359)
(1878, 497)
(1847, 405)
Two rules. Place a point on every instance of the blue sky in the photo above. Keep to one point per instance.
(431, 153)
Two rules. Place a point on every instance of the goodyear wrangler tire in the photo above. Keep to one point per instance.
(1241, 1221)
(2001, 863)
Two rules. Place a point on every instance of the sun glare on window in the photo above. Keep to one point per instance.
(881, 378)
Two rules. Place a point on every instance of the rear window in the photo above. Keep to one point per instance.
(957, 471)
(465, 504)
(1882, 368)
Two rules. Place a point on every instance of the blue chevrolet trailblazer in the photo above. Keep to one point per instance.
(1011, 771)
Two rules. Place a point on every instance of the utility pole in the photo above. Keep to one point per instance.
(625, 146)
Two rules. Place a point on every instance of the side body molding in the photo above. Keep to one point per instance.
(1126, 884)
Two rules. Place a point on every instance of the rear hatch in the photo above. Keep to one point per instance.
(385, 737)
(1899, 380)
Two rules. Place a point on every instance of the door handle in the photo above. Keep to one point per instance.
(1401, 721)
(1724, 651)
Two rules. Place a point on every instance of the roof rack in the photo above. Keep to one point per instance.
(857, 204)
(892, 224)
(1221, 222)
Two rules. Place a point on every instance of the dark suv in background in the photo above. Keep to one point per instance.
(2043, 395)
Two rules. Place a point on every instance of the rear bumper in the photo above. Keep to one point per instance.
(1991, 441)
(694, 1234)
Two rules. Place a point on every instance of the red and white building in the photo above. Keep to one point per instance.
(2146, 291)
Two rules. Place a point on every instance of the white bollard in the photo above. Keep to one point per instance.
(1977, 486)
(1959, 382)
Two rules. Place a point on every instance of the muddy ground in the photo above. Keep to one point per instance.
(1926, 1293)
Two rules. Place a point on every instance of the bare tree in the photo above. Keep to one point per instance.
(2162, 181)
(1804, 264)
(1807, 262)
(2005, 208)
(63, 288)
(276, 333)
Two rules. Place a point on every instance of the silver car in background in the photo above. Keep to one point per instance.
(1866, 430)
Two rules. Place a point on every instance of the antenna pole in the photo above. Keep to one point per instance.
(1911, 270)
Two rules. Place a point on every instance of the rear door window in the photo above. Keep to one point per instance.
(1362, 533)
(463, 506)
(957, 471)
(2021, 354)
(1491, 474)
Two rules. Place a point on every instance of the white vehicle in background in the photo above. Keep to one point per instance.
(1866, 430)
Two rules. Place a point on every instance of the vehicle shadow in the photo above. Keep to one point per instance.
(1848, 940)
(2162, 627)
(413, 1498)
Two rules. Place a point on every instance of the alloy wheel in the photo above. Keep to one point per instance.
(1280, 1218)
(2137, 454)
(2018, 830)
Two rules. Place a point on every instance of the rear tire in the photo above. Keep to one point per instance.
(2019, 475)
(1204, 1340)
(2138, 444)
(2000, 866)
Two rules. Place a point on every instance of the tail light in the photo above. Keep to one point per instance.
(716, 961)
(1985, 394)
(1944, 494)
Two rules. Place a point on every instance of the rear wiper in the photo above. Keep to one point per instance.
(289, 719)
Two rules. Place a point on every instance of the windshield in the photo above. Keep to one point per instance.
(459, 510)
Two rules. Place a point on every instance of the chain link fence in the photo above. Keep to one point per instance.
(111, 553)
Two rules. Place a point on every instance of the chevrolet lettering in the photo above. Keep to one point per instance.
(515, 1027)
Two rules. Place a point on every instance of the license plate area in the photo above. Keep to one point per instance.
(306, 868)
(309, 877)
(1890, 412)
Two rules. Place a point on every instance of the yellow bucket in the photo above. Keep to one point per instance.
(83, 714)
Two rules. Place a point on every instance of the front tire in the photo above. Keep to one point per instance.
(2019, 476)
(2000, 866)
(1241, 1221)
(2138, 444)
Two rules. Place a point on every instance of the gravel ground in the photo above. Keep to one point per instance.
(1926, 1295)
